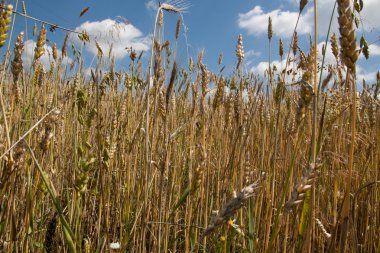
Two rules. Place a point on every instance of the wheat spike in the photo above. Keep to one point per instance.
(298, 193)
(40, 50)
(323, 229)
(23, 7)
(161, 18)
(177, 29)
(348, 52)
(281, 48)
(5, 20)
(230, 208)
(270, 30)
(17, 63)
(334, 46)
(240, 50)
(295, 43)
(64, 46)
(176, 6)
(54, 52)
(17, 60)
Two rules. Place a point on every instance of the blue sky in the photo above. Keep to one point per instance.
(211, 25)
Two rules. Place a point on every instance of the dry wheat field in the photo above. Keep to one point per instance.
(158, 157)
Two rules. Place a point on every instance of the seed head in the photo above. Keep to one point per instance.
(17, 60)
(240, 50)
(220, 60)
(348, 52)
(281, 48)
(175, 6)
(295, 43)
(334, 46)
(23, 7)
(5, 20)
(168, 7)
(161, 18)
(64, 45)
(40, 50)
(54, 51)
(377, 86)
(177, 29)
(270, 30)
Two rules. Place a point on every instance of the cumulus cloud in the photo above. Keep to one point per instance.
(46, 58)
(120, 35)
(255, 21)
(329, 57)
(362, 73)
(374, 50)
(370, 15)
(261, 68)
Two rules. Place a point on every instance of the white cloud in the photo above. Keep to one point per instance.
(363, 74)
(151, 5)
(45, 59)
(370, 15)
(374, 50)
(250, 56)
(329, 57)
(120, 35)
(255, 22)
(252, 53)
(261, 68)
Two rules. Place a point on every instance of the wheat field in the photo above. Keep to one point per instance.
(159, 157)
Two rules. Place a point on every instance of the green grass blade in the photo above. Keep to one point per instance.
(276, 226)
(68, 233)
(181, 200)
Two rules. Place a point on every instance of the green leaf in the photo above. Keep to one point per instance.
(304, 221)
(357, 6)
(68, 233)
(356, 22)
(181, 200)
(365, 49)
